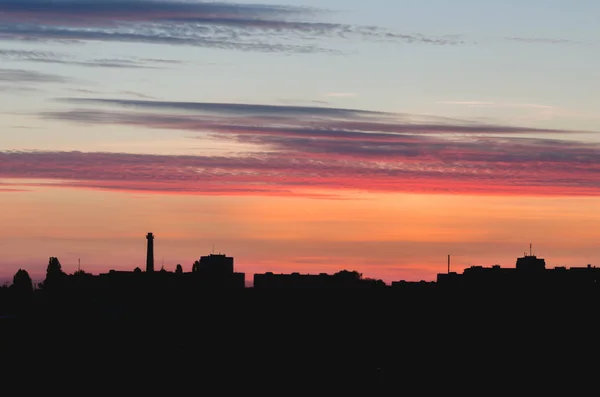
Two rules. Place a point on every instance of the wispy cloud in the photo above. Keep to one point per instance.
(29, 76)
(257, 118)
(161, 61)
(302, 150)
(100, 63)
(291, 101)
(64, 59)
(489, 104)
(138, 94)
(224, 25)
(85, 91)
(543, 40)
(14, 88)
(21, 81)
(19, 55)
(229, 109)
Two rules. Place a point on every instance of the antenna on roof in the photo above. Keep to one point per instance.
(448, 264)
(530, 250)
(78, 264)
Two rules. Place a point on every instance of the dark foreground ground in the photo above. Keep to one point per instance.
(310, 342)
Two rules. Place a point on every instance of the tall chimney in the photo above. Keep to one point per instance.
(150, 253)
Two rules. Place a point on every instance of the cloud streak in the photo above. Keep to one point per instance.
(222, 25)
(276, 174)
(543, 40)
(243, 118)
(305, 150)
(99, 63)
(488, 104)
(57, 58)
(29, 76)
(229, 109)
(27, 81)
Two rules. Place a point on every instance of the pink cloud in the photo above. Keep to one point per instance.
(274, 174)
(305, 150)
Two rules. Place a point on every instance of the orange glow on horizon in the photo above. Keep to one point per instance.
(392, 237)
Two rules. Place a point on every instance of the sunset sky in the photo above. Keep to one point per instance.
(303, 135)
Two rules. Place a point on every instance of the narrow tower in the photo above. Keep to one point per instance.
(150, 253)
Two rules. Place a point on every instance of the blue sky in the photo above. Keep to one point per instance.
(536, 61)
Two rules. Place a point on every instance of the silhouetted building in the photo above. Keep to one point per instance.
(150, 253)
(342, 279)
(530, 273)
(215, 264)
(413, 286)
(531, 263)
(449, 277)
(582, 276)
(217, 270)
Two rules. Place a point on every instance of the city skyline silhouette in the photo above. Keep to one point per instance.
(220, 265)
(294, 304)
(149, 266)
(149, 262)
(300, 197)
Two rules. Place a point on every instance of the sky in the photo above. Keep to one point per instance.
(299, 135)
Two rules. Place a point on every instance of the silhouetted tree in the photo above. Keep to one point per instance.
(196, 266)
(137, 270)
(22, 282)
(349, 275)
(55, 277)
(80, 279)
(178, 269)
(21, 289)
(375, 282)
(380, 283)
(54, 266)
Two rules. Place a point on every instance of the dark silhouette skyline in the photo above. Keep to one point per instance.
(322, 333)
(215, 268)
(217, 271)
